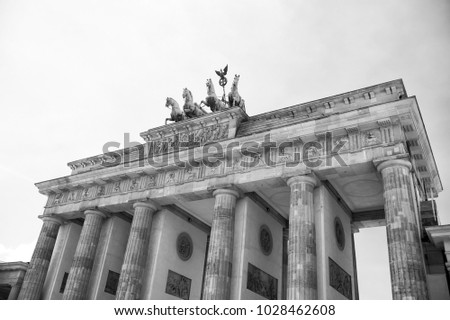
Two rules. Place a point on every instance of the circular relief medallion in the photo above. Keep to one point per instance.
(265, 239)
(339, 233)
(184, 246)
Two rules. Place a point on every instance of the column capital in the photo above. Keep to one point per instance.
(308, 179)
(153, 206)
(95, 212)
(52, 218)
(394, 163)
(231, 192)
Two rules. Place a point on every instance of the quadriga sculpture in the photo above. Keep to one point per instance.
(214, 103)
(177, 114)
(191, 109)
(234, 98)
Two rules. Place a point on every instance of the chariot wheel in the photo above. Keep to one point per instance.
(223, 82)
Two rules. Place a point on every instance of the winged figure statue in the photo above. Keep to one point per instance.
(222, 73)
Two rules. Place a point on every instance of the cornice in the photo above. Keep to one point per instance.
(13, 266)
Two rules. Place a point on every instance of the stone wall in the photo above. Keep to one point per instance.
(250, 221)
(109, 257)
(61, 260)
(327, 210)
(166, 271)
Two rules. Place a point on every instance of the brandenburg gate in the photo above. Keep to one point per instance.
(223, 205)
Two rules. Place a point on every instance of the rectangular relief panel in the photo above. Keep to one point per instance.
(340, 280)
(178, 285)
(63, 283)
(112, 281)
(261, 283)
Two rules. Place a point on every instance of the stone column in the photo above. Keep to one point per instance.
(285, 264)
(83, 260)
(15, 289)
(204, 266)
(130, 281)
(220, 252)
(302, 260)
(40, 261)
(408, 278)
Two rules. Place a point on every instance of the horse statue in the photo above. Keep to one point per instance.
(234, 98)
(211, 100)
(177, 114)
(191, 109)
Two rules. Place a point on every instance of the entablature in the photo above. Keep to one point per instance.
(368, 133)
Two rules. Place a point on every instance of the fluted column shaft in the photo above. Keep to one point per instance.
(220, 253)
(408, 277)
(302, 260)
(130, 281)
(83, 260)
(15, 290)
(37, 271)
(285, 264)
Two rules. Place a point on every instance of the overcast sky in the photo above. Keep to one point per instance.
(77, 74)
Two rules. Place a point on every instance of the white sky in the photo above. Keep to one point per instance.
(77, 74)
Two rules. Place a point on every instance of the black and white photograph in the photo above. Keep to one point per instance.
(224, 150)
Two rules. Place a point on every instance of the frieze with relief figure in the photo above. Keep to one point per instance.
(261, 283)
(340, 279)
(178, 285)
